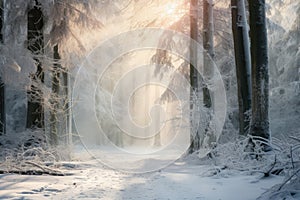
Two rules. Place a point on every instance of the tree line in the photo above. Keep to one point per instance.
(251, 59)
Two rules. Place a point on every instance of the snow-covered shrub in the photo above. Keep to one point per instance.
(29, 152)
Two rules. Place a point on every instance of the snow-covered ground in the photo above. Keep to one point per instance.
(184, 179)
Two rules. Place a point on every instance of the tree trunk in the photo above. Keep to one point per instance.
(2, 86)
(242, 62)
(35, 112)
(55, 98)
(2, 107)
(208, 46)
(195, 139)
(157, 138)
(67, 108)
(209, 138)
(60, 124)
(260, 77)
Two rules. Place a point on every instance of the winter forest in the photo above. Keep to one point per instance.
(150, 99)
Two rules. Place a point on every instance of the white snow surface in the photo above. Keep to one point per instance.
(184, 179)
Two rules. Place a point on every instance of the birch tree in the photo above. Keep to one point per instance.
(260, 76)
(242, 62)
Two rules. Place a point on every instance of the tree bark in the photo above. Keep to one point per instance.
(35, 112)
(2, 86)
(260, 77)
(2, 107)
(208, 47)
(55, 98)
(195, 138)
(60, 124)
(242, 62)
(208, 140)
(67, 107)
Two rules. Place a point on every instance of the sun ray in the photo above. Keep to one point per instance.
(171, 8)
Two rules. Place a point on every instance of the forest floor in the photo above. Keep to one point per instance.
(184, 179)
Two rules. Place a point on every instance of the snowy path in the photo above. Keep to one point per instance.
(178, 181)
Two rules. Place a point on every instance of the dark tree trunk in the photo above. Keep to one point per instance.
(208, 140)
(2, 107)
(195, 139)
(1, 19)
(35, 112)
(2, 86)
(208, 46)
(55, 98)
(242, 62)
(67, 107)
(260, 77)
(60, 124)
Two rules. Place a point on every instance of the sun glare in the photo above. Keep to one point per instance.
(171, 12)
(170, 8)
